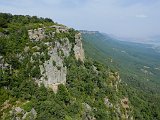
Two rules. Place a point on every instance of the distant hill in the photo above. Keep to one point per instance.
(152, 41)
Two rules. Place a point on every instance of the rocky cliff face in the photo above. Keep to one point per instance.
(78, 49)
(53, 70)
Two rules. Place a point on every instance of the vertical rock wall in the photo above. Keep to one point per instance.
(53, 71)
(78, 49)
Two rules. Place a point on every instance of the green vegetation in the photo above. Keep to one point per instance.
(88, 83)
(129, 59)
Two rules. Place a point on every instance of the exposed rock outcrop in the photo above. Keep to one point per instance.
(5, 105)
(36, 34)
(53, 71)
(114, 79)
(87, 115)
(125, 105)
(78, 49)
(60, 28)
(107, 102)
(18, 113)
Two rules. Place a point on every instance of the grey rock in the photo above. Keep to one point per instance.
(60, 28)
(95, 69)
(78, 49)
(36, 34)
(18, 113)
(26, 49)
(18, 110)
(107, 102)
(53, 75)
(87, 107)
(33, 112)
(32, 115)
(87, 115)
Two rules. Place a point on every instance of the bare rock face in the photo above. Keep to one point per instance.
(53, 71)
(30, 115)
(125, 105)
(20, 114)
(53, 75)
(5, 105)
(114, 79)
(78, 49)
(87, 115)
(107, 102)
(36, 34)
(60, 28)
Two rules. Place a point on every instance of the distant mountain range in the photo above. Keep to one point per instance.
(148, 40)
(153, 41)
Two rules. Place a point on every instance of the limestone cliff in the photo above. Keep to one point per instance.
(53, 70)
(78, 49)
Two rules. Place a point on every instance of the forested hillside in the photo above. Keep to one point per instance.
(138, 64)
(45, 75)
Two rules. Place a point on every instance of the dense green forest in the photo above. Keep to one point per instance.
(93, 90)
(137, 63)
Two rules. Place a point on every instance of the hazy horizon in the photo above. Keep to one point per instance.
(122, 18)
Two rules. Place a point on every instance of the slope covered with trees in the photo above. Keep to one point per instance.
(137, 63)
(92, 91)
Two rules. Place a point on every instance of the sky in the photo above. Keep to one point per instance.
(123, 18)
